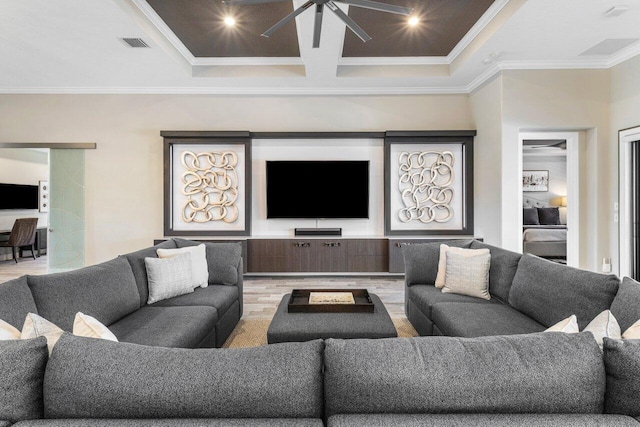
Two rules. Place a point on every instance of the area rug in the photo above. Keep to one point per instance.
(253, 332)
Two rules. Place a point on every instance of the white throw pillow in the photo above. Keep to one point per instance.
(633, 332)
(87, 326)
(468, 274)
(442, 261)
(604, 325)
(8, 332)
(568, 326)
(169, 277)
(36, 326)
(198, 262)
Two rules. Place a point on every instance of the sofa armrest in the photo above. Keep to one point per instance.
(240, 284)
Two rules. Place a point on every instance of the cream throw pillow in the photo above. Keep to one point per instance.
(442, 261)
(87, 326)
(568, 326)
(36, 326)
(198, 262)
(8, 332)
(633, 333)
(169, 277)
(468, 274)
(604, 325)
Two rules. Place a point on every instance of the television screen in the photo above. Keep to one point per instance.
(318, 189)
(14, 196)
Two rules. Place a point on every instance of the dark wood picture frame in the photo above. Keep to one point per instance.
(465, 139)
(173, 138)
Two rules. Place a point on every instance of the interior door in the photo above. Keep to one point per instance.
(66, 247)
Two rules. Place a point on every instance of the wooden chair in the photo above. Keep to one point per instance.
(23, 235)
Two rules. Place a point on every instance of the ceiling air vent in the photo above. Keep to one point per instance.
(608, 47)
(135, 42)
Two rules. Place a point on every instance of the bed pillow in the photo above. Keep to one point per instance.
(530, 216)
(549, 216)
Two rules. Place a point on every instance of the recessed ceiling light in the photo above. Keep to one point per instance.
(413, 21)
(229, 21)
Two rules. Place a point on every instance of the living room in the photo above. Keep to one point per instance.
(520, 70)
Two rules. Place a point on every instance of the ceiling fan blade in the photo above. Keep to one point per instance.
(382, 7)
(287, 18)
(349, 22)
(247, 2)
(317, 26)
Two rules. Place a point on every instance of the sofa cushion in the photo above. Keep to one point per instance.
(105, 291)
(502, 374)
(549, 292)
(172, 422)
(275, 381)
(421, 261)
(222, 259)
(503, 267)
(16, 301)
(479, 320)
(184, 327)
(219, 296)
(622, 363)
(22, 366)
(481, 420)
(426, 296)
(136, 260)
(625, 306)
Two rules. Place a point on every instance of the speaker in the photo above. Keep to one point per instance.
(318, 231)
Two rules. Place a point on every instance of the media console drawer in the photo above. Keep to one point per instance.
(330, 255)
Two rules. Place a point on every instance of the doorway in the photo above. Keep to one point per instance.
(550, 186)
(629, 203)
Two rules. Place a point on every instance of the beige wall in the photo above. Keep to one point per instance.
(124, 175)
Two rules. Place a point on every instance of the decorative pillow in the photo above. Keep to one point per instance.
(468, 275)
(633, 332)
(530, 216)
(169, 277)
(568, 326)
(198, 262)
(87, 326)
(8, 332)
(622, 363)
(604, 325)
(442, 262)
(36, 326)
(549, 216)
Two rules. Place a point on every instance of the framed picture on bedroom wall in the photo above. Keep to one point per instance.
(535, 181)
(429, 183)
(207, 183)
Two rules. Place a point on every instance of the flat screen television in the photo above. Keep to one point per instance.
(318, 189)
(15, 196)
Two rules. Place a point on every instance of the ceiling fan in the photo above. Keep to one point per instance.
(333, 7)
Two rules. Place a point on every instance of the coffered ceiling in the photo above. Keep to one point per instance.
(75, 46)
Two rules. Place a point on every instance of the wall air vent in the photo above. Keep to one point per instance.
(135, 42)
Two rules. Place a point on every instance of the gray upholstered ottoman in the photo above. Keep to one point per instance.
(289, 327)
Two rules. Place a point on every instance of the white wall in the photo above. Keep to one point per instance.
(557, 167)
(124, 201)
(27, 167)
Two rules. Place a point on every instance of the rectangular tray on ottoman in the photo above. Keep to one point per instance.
(299, 302)
(298, 327)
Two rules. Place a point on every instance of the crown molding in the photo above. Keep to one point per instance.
(625, 54)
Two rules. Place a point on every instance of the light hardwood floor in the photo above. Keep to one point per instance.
(263, 294)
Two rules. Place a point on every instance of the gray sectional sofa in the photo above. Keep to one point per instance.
(115, 292)
(544, 379)
(528, 295)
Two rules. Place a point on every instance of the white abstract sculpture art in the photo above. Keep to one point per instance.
(425, 185)
(211, 186)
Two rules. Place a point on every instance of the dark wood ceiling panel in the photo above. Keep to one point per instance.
(442, 25)
(199, 24)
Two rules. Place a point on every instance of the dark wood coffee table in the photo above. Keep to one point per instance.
(297, 327)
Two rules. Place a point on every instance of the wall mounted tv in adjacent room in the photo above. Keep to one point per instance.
(318, 189)
(15, 196)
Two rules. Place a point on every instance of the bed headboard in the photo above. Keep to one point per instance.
(529, 202)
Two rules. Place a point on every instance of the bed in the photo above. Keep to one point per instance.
(548, 238)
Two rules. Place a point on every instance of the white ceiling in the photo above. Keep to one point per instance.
(74, 46)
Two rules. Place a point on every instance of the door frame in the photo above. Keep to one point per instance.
(625, 138)
(573, 187)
